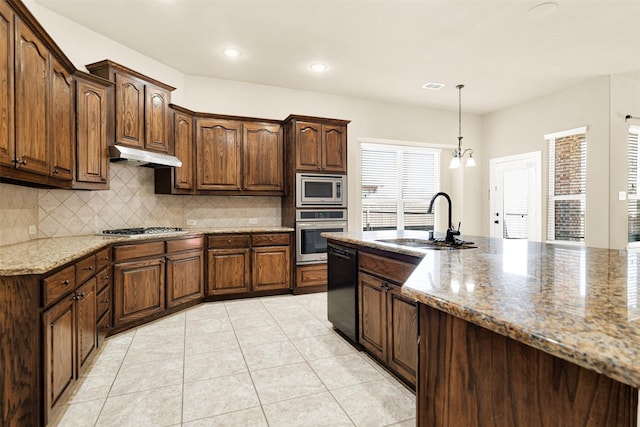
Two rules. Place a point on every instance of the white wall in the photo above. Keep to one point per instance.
(521, 129)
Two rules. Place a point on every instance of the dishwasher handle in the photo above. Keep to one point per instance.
(341, 252)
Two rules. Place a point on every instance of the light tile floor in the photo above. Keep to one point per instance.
(272, 361)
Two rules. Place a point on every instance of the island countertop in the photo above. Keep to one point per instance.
(579, 304)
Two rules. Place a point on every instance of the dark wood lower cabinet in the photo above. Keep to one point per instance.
(59, 324)
(470, 376)
(373, 316)
(138, 290)
(270, 267)
(229, 271)
(184, 278)
(402, 335)
(87, 317)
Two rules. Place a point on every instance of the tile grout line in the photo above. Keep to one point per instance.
(184, 364)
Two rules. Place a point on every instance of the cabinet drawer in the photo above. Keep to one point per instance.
(229, 241)
(58, 284)
(138, 250)
(311, 275)
(104, 301)
(270, 239)
(103, 327)
(391, 269)
(104, 278)
(103, 258)
(85, 268)
(184, 244)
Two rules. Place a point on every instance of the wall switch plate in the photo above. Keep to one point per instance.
(622, 195)
(253, 221)
(191, 222)
(32, 230)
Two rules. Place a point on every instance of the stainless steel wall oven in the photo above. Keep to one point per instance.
(311, 247)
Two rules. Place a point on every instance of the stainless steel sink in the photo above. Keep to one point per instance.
(427, 244)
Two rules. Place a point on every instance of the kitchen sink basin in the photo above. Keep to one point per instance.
(428, 244)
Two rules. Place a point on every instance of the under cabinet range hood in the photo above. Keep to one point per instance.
(142, 157)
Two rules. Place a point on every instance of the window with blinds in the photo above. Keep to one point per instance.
(397, 185)
(632, 190)
(567, 185)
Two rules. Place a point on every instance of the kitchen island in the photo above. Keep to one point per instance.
(522, 333)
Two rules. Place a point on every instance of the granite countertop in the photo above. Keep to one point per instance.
(43, 255)
(579, 304)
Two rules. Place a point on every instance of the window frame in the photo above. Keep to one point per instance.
(633, 129)
(552, 198)
(399, 147)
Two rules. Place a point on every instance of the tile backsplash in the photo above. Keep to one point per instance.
(130, 202)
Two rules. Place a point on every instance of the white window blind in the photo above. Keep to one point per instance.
(633, 196)
(567, 186)
(397, 185)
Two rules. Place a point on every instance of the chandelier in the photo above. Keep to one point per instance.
(459, 152)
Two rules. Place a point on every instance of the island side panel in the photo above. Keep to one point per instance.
(470, 376)
(19, 362)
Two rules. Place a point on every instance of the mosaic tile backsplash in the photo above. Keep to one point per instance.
(130, 202)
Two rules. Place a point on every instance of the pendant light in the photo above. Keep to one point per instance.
(459, 152)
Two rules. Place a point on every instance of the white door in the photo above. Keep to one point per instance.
(515, 197)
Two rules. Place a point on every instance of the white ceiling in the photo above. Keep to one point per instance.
(384, 50)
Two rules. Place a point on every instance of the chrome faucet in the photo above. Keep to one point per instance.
(450, 230)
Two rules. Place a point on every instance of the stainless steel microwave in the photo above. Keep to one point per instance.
(314, 190)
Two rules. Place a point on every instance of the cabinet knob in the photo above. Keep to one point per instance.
(107, 326)
(89, 268)
(23, 162)
(65, 282)
(106, 258)
(105, 278)
(106, 301)
(228, 240)
(56, 171)
(15, 161)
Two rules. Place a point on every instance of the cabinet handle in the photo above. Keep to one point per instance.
(107, 326)
(89, 268)
(23, 162)
(15, 161)
(106, 258)
(106, 301)
(56, 171)
(105, 278)
(65, 282)
(228, 240)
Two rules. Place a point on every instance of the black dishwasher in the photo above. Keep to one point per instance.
(342, 289)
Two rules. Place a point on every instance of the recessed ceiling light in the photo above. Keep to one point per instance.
(433, 86)
(231, 52)
(318, 67)
(542, 10)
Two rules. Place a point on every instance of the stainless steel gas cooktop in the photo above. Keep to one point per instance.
(142, 231)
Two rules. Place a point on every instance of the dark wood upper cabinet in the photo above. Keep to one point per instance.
(141, 107)
(263, 150)
(62, 122)
(321, 147)
(7, 141)
(32, 96)
(183, 143)
(218, 154)
(92, 138)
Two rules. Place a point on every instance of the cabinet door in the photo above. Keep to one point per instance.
(129, 111)
(402, 334)
(59, 349)
(373, 318)
(139, 290)
(157, 122)
(32, 95)
(183, 143)
(334, 148)
(218, 153)
(308, 152)
(184, 278)
(7, 141)
(86, 297)
(263, 157)
(62, 122)
(92, 158)
(228, 271)
(271, 268)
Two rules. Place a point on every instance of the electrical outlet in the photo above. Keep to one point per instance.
(32, 230)
(191, 222)
(253, 221)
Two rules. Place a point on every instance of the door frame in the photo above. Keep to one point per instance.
(519, 161)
